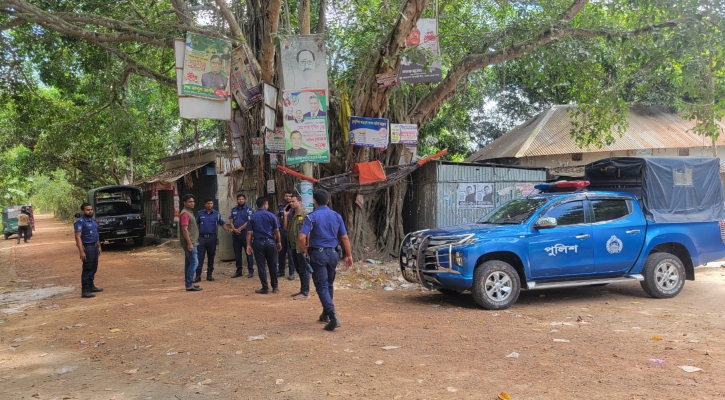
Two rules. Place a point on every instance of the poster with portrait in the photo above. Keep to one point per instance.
(404, 134)
(305, 126)
(303, 62)
(424, 62)
(369, 132)
(274, 141)
(246, 76)
(206, 67)
(475, 195)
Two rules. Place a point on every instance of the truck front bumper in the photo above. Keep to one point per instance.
(430, 261)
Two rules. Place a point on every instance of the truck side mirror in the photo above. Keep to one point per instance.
(545, 223)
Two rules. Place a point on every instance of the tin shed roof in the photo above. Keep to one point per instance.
(172, 175)
(549, 133)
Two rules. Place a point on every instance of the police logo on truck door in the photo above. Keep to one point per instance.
(614, 245)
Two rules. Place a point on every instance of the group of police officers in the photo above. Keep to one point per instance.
(310, 242)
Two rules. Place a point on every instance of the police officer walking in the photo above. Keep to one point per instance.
(262, 235)
(208, 219)
(89, 247)
(238, 219)
(293, 220)
(318, 238)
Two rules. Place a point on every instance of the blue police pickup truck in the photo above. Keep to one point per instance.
(649, 219)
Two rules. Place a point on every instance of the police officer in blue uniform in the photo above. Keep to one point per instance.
(238, 219)
(89, 248)
(208, 219)
(318, 238)
(263, 236)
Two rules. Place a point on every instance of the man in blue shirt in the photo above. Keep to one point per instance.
(89, 248)
(262, 235)
(318, 238)
(208, 219)
(286, 251)
(238, 219)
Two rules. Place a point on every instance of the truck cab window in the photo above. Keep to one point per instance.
(610, 209)
(571, 213)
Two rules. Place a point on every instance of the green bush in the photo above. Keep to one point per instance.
(55, 194)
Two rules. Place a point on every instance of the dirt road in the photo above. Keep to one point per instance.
(145, 337)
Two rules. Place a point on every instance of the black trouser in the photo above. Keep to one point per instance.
(23, 231)
(90, 265)
(239, 242)
(265, 251)
(285, 253)
(303, 270)
(207, 245)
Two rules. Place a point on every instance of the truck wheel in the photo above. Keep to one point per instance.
(664, 275)
(496, 285)
(138, 240)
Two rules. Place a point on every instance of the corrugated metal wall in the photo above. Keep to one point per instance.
(434, 195)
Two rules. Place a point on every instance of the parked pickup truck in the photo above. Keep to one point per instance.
(119, 213)
(558, 239)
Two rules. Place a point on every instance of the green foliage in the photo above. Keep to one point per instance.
(55, 193)
(15, 185)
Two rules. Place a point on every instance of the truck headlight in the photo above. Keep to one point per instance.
(458, 258)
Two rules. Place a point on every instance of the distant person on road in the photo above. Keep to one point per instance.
(208, 219)
(318, 238)
(89, 248)
(23, 225)
(263, 237)
(189, 238)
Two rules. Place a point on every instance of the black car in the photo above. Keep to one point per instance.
(119, 212)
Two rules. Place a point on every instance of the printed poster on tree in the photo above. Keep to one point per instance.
(274, 141)
(369, 132)
(305, 126)
(423, 63)
(245, 78)
(206, 67)
(404, 134)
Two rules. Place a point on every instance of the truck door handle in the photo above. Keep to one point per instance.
(585, 236)
(633, 231)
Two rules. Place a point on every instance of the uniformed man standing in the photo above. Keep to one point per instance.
(89, 247)
(238, 219)
(263, 237)
(293, 224)
(286, 251)
(189, 237)
(208, 219)
(318, 238)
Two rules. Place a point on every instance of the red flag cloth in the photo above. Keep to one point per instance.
(370, 172)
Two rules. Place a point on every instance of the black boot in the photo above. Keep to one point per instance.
(324, 317)
(95, 289)
(197, 278)
(334, 322)
(86, 292)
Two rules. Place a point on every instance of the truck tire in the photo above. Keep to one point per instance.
(664, 275)
(496, 285)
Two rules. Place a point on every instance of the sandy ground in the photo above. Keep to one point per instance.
(145, 337)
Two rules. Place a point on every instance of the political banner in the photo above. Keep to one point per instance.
(274, 141)
(369, 132)
(246, 77)
(305, 126)
(257, 146)
(303, 62)
(475, 195)
(206, 67)
(404, 133)
(423, 64)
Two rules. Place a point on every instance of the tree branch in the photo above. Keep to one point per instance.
(141, 69)
(229, 17)
(274, 7)
(427, 107)
(12, 24)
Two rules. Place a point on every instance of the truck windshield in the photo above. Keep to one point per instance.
(513, 212)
